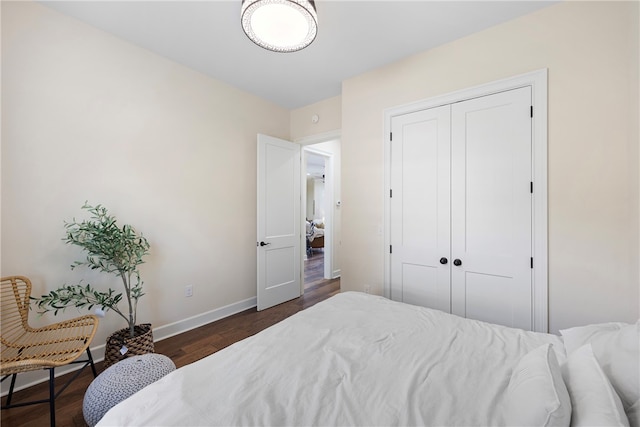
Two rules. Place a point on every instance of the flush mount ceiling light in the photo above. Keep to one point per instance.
(280, 25)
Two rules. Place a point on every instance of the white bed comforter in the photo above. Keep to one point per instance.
(354, 359)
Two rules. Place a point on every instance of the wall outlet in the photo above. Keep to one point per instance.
(188, 291)
(367, 289)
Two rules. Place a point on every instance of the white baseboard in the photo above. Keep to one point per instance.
(160, 333)
(172, 329)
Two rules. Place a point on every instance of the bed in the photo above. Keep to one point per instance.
(358, 359)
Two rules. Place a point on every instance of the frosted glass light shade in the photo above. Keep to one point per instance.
(280, 25)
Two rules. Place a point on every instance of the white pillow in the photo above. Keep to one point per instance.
(593, 399)
(616, 348)
(574, 338)
(537, 395)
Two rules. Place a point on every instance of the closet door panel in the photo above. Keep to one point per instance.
(491, 208)
(419, 285)
(420, 208)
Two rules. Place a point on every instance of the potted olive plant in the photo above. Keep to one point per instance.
(114, 249)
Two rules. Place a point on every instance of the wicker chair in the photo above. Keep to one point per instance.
(28, 349)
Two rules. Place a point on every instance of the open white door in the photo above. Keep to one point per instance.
(278, 242)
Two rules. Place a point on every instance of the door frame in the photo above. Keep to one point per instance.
(538, 82)
(329, 240)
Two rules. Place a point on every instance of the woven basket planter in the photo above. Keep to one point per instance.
(142, 343)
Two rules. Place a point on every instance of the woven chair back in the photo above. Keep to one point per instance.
(14, 308)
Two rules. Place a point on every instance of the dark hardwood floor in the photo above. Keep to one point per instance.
(314, 268)
(182, 349)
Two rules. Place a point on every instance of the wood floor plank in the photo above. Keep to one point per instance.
(182, 349)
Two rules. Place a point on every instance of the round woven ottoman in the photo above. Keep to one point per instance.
(120, 381)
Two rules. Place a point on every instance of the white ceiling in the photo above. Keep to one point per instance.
(353, 37)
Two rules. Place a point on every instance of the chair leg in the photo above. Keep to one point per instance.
(52, 387)
(52, 397)
(93, 367)
(13, 383)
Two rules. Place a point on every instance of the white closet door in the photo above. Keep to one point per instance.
(420, 208)
(491, 208)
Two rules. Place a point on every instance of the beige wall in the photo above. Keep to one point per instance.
(634, 134)
(87, 116)
(329, 112)
(591, 52)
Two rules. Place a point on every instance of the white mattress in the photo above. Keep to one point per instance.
(354, 359)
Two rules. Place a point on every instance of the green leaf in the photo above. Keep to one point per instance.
(109, 248)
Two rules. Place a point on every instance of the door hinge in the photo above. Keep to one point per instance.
(390, 136)
(531, 262)
(390, 193)
(531, 187)
(390, 249)
(532, 111)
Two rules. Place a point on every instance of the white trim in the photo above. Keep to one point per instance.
(159, 334)
(193, 322)
(320, 137)
(540, 203)
(538, 82)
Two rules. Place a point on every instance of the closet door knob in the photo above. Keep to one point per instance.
(443, 260)
(457, 262)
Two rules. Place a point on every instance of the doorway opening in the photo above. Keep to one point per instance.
(320, 212)
(315, 208)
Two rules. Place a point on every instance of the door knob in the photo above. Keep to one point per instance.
(264, 244)
(457, 262)
(443, 260)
